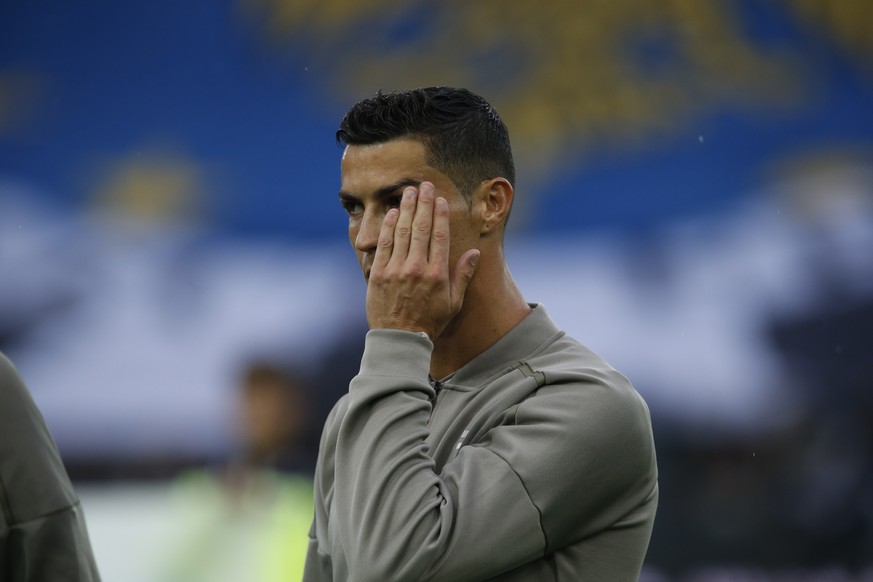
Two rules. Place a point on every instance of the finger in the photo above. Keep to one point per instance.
(462, 275)
(385, 245)
(422, 223)
(403, 228)
(441, 234)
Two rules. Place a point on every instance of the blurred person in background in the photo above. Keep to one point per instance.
(249, 520)
(43, 537)
(478, 441)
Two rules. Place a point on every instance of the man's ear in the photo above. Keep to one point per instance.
(497, 194)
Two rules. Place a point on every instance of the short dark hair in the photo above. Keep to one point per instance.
(463, 135)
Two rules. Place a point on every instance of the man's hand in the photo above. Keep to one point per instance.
(410, 285)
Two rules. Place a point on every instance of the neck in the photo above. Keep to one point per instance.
(493, 305)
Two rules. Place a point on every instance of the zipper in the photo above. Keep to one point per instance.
(437, 386)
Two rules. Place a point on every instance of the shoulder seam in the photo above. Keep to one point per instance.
(539, 377)
(15, 523)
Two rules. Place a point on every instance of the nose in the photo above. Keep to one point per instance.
(367, 234)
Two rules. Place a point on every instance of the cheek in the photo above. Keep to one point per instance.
(462, 230)
(460, 244)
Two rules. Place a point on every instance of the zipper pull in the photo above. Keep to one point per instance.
(436, 389)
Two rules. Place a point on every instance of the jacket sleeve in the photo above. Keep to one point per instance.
(500, 503)
(42, 530)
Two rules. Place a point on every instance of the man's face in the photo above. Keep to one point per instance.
(373, 180)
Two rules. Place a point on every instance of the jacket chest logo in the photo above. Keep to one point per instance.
(461, 440)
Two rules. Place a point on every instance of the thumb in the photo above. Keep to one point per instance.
(464, 272)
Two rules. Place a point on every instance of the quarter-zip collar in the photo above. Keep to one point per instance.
(531, 335)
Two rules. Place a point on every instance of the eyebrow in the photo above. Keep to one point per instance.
(385, 191)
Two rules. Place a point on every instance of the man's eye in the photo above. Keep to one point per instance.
(394, 202)
(353, 208)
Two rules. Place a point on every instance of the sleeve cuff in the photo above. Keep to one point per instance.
(395, 352)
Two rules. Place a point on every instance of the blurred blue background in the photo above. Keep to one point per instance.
(695, 202)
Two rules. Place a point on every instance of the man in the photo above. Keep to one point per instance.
(42, 529)
(478, 441)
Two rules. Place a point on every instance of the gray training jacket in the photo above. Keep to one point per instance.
(535, 461)
(42, 530)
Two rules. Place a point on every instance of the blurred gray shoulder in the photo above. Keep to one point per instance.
(15, 400)
(8, 373)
